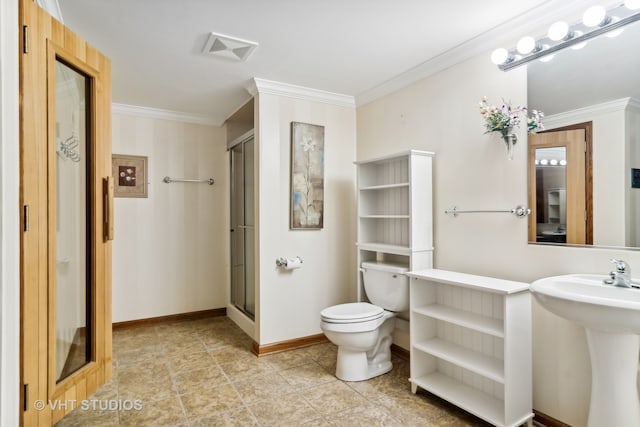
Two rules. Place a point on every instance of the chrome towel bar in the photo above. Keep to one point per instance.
(519, 211)
(168, 180)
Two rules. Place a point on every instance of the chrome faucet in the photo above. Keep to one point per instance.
(621, 276)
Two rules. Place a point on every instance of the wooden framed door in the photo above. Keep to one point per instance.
(66, 201)
(575, 189)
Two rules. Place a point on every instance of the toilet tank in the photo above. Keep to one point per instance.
(386, 285)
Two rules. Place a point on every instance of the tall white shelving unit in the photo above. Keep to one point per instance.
(395, 211)
(471, 343)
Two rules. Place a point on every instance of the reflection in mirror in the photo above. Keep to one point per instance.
(597, 85)
(72, 214)
(561, 212)
(551, 194)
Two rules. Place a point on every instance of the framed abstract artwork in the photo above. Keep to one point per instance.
(307, 176)
(129, 175)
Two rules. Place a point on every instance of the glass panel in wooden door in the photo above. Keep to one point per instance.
(73, 245)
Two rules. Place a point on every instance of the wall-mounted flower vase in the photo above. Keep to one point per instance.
(504, 119)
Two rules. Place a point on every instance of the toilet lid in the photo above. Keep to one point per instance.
(352, 312)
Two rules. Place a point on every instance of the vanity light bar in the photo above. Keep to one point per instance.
(613, 19)
(550, 162)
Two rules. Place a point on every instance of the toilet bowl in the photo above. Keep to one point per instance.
(362, 331)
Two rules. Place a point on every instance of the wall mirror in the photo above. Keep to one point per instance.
(591, 99)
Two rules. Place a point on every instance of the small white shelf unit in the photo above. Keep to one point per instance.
(395, 211)
(471, 343)
(556, 206)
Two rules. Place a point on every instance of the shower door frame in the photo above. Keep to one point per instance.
(235, 228)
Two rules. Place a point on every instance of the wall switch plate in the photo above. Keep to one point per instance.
(635, 178)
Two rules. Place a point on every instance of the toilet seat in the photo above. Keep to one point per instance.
(351, 313)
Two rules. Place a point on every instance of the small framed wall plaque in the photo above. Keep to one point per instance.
(129, 175)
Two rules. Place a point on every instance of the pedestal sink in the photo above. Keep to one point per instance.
(611, 317)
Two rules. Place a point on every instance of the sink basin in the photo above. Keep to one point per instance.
(611, 318)
(584, 299)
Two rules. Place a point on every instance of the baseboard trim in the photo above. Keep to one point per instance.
(547, 421)
(193, 315)
(402, 353)
(261, 350)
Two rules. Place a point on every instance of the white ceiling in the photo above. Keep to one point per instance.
(351, 47)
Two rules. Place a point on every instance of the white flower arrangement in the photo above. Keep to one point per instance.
(506, 117)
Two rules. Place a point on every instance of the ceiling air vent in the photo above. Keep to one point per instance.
(229, 47)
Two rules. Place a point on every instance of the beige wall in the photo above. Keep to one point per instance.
(471, 170)
(169, 252)
(289, 302)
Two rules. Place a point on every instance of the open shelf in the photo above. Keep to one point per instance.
(476, 322)
(487, 366)
(384, 248)
(472, 400)
(384, 186)
(385, 216)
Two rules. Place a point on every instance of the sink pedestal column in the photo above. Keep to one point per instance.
(614, 370)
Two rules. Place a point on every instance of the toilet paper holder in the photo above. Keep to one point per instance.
(283, 262)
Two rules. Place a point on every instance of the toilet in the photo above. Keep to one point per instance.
(362, 331)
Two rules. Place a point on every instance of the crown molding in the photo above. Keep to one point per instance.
(157, 113)
(634, 105)
(262, 86)
(533, 21)
(587, 113)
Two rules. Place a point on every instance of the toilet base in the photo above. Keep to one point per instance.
(362, 354)
(354, 366)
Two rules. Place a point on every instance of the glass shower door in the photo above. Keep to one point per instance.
(242, 227)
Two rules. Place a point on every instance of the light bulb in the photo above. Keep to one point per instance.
(563, 162)
(594, 16)
(544, 162)
(500, 56)
(558, 31)
(553, 162)
(526, 45)
(632, 4)
(537, 162)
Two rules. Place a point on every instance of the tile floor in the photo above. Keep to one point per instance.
(202, 373)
